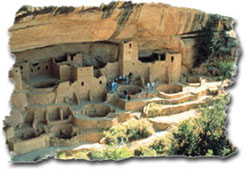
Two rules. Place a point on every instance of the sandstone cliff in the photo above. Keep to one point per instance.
(153, 26)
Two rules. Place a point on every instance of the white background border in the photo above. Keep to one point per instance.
(237, 113)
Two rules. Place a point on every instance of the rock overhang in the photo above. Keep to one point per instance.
(37, 27)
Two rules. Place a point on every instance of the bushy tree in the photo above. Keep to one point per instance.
(207, 41)
(138, 129)
(131, 130)
(145, 151)
(212, 42)
(115, 134)
(159, 146)
(227, 69)
(202, 136)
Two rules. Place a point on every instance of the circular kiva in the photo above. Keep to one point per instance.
(44, 84)
(96, 110)
(129, 89)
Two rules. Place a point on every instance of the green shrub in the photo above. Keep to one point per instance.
(114, 134)
(145, 152)
(73, 154)
(96, 155)
(80, 155)
(138, 129)
(202, 136)
(110, 153)
(115, 153)
(152, 109)
(159, 146)
(213, 43)
(227, 69)
(62, 155)
(129, 131)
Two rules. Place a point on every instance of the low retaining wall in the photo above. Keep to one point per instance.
(92, 123)
(172, 96)
(123, 117)
(166, 110)
(41, 98)
(158, 126)
(30, 145)
(141, 96)
(199, 92)
(91, 137)
(134, 105)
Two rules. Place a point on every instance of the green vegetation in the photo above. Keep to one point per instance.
(131, 130)
(202, 136)
(96, 155)
(152, 109)
(227, 69)
(145, 152)
(108, 9)
(159, 146)
(82, 154)
(110, 153)
(62, 155)
(114, 134)
(27, 10)
(214, 42)
(64, 10)
(126, 10)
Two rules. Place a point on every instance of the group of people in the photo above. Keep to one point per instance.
(150, 84)
(123, 79)
(126, 95)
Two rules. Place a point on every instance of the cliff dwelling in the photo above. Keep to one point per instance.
(76, 83)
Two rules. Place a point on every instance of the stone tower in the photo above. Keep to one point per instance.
(128, 56)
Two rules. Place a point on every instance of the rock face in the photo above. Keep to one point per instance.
(152, 26)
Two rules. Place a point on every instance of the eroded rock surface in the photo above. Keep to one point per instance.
(154, 26)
